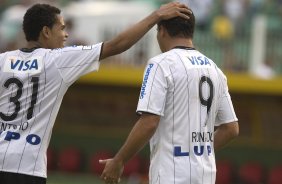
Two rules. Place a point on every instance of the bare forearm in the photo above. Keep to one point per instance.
(143, 130)
(130, 36)
(137, 139)
(224, 134)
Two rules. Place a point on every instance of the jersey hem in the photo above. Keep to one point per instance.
(225, 122)
(140, 111)
(36, 175)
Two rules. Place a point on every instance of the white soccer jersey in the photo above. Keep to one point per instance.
(190, 94)
(31, 91)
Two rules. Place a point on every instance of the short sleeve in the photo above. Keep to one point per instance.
(226, 112)
(76, 61)
(153, 90)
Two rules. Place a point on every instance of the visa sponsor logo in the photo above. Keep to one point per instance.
(145, 80)
(18, 65)
(200, 60)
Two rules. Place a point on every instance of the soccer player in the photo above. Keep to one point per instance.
(184, 95)
(34, 80)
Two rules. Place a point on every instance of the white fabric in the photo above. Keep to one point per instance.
(43, 75)
(182, 147)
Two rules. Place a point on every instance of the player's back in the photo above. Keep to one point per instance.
(182, 147)
(33, 83)
(30, 88)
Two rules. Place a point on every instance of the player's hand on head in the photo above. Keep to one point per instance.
(173, 9)
(112, 171)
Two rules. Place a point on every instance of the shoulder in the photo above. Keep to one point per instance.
(161, 58)
(64, 49)
(222, 75)
(161, 63)
(78, 48)
(9, 54)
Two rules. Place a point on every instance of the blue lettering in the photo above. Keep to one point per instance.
(14, 65)
(207, 62)
(192, 60)
(33, 139)
(34, 65)
(209, 150)
(179, 153)
(196, 60)
(145, 80)
(12, 135)
(196, 151)
(200, 58)
(21, 65)
(26, 66)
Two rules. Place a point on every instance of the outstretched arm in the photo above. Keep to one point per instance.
(224, 134)
(139, 136)
(129, 37)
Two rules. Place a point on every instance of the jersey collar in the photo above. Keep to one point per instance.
(184, 47)
(29, 49)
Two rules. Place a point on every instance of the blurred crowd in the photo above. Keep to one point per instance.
(224, 20)
(11, 17)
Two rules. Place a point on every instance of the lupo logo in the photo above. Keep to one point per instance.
(145, 80)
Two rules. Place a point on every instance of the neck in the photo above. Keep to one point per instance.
(33, 44)
(179, 42)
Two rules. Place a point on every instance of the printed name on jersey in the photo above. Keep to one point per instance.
(10, 132)
(145, 80)
(18, 65)
(6, 126)
(199, 60)
(197, 137)
(202, 137)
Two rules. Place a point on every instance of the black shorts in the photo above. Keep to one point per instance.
(16, 178)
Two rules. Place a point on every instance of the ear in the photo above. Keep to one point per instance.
(162, 31)
(46, 32)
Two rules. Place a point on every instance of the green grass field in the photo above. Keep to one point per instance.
(66, 178)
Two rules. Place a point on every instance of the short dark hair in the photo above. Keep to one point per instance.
(36, 17)
(179, 27)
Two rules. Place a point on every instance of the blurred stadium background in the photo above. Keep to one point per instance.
(242, 36)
